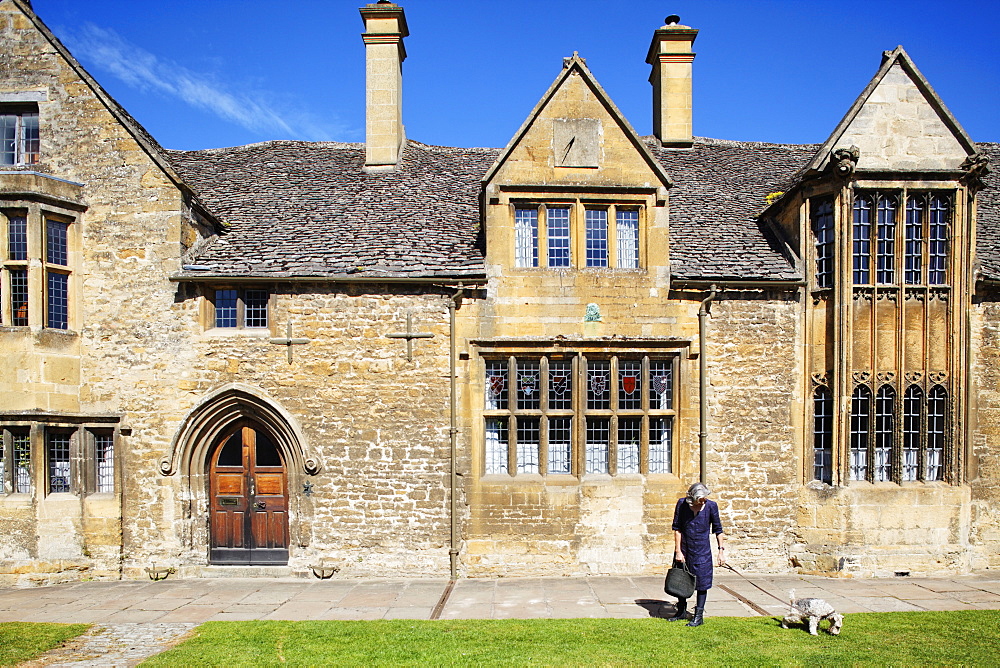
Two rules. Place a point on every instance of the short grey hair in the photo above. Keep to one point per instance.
(698, 491)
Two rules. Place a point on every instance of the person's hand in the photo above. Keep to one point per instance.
(722, 557)
(679, 556)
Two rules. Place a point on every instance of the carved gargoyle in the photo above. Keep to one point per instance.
(844, 160)
(977, 166)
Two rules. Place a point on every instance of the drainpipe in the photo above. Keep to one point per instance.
(453, 431)
(703, 385)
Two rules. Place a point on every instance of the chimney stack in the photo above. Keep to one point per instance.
(385, 28)
(671, 57)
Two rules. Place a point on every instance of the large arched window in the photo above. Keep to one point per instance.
(884, 425)
(823, 435)
(861, 402)
(912, 435)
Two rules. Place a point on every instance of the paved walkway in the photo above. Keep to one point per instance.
(135, 619)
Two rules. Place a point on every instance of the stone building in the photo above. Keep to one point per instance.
(399, 358)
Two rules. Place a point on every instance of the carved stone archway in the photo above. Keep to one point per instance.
(200, 430)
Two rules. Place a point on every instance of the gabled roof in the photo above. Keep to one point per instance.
(889, 60)
(149, 145)
(576, 65)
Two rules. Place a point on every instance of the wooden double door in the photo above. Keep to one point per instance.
(249, 500)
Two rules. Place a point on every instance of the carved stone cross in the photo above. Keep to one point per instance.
(409, 335)
(288, 341)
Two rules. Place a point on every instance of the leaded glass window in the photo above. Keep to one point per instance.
(860, 432)
(628, 238)
(937, 411)
(240, 309)
(823, 230)
(862, 239)
(55, 242)
(885, 272)
(629, 436)
(57, 292)
(528, 444)
(225, 308)
(597, 237)
(525, 237)
(536, 423)
(598, 444)
(914, 252)
(937, 241)
(57, 455)
(496, 444)
(19, 297)
(17, 238)
(21, 461)
(660, 445)
(823, 435)
(912, 403)
(560, 445)
(598, 384)
(557, 228)
(884, 430)
(256, 308)
(104, 454)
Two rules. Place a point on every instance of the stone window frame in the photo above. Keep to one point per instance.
(83, 476)
(532, 250)
(17, 113)
(210, 314)
(37, 267)
(511, 413)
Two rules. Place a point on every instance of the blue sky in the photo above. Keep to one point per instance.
(210, 73)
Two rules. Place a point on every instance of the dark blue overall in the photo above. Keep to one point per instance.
(696, 538)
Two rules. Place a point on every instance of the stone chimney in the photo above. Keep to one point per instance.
(671, 57)
(385, 28)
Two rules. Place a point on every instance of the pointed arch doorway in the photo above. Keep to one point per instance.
(248, 498)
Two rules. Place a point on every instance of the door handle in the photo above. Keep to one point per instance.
(260, 505)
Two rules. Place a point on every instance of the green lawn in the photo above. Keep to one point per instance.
(20, 641)
(969, 638)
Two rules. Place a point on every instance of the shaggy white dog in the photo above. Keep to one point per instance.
(812, 611)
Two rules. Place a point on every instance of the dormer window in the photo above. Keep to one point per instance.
(571, 234)
(19, 139)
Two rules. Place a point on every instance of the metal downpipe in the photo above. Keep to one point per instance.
(703, 385)
(453, 432)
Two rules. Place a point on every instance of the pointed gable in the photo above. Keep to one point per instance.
(899, 124)
(576, 136)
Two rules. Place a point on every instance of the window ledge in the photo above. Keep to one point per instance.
(252, 333)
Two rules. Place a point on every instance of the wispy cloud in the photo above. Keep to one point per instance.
(107, 50)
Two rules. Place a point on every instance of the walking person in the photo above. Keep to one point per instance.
(696, 517)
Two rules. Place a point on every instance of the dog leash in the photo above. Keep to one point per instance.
(783, 602)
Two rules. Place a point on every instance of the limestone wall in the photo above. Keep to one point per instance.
(377, 423)
(983, 462)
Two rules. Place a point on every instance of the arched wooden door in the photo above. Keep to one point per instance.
(249, 500)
